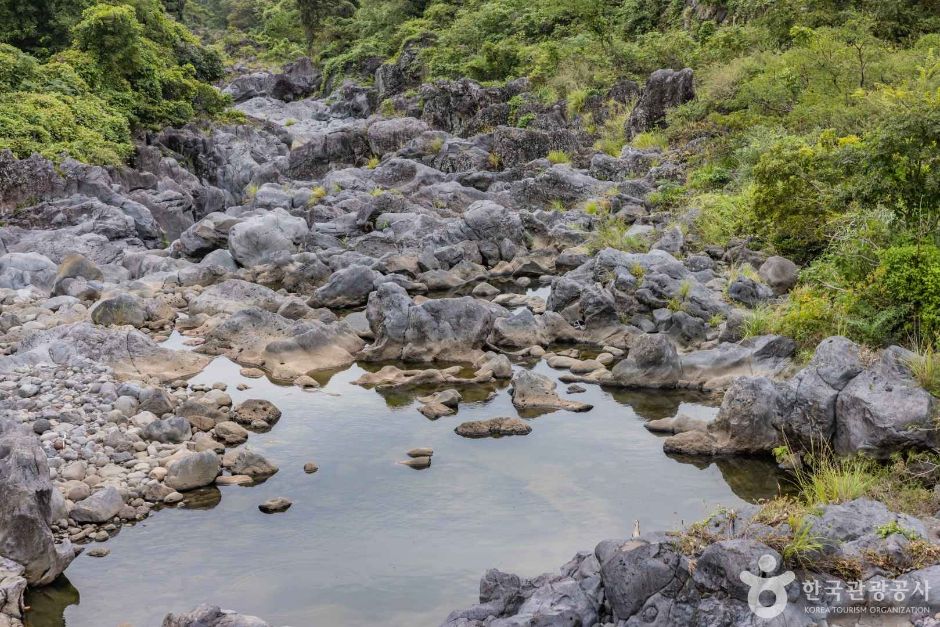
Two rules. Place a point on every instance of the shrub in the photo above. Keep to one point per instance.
(910, 275)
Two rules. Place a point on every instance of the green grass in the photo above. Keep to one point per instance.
(650, 140)
(558, 156)
(925, 367)
(613, 233)
(826, 478)
(373, 162)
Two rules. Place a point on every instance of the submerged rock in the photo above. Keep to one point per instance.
(212, 616)
(531, 390)
(494, 427)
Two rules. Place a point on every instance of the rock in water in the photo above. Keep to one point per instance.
(212, 616)
(418, 463)
(493, 428)
(26, 507)
(275, 505)
(420, 452)
(531, 390)
(192, 471)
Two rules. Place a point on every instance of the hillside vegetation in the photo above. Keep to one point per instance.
(814, 133)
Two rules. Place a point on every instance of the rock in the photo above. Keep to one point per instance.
(19, 270)
(192, 471)
(257, 239)
(173, 498)
(420, 452)
(349, 287)
(255, 410)
(664, 90)
(880, 412)
(311, 467)
(779, 273)
(232, 296)
(119, 310)
(494, 427)
(170, 430)
(26, 507)
(12, 591)
(531, 390)
(652, 362)
(100, 507)
(748, 291)
(305, 382)
(275, 505)
(212, 616)
(99, 551)
(251, 373)
(244, 461)
(445, 329)
(418, 463)
(284, 348)
(230, 433)
(130, 353)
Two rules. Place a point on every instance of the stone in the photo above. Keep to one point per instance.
(418, 463)
(664, 90)
(211, 616)
(534, 391)
(652, 362)
(119, 310)
(244, 461)
(257, 409)
(779, 273)
(192, 471)
(169, 430)
(420, 452)
(311, 467)
(230, 433)
(275, 505)
(493, 428)
(26, 507)
(100, 507)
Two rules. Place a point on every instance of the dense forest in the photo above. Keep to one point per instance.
(814, 131)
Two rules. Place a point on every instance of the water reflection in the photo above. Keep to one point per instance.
(368, 541)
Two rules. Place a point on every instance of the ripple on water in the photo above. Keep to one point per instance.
(369, 541)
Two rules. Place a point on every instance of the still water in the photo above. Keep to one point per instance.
(369, 541)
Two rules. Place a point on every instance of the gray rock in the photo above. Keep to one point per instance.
(100, 507)
(244, 461)
(169, 430)
(664, 90)
(779, 273)
(534, 391)
(749, 291)
(651, 363)
(257, 239)
(192, 471)
(276, 505)
(26, 509)
(212, 616)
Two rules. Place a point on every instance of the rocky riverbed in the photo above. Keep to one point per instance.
(416, 233)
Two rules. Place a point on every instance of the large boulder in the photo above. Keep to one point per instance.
(233, 295)
(664, 90)
(285, 348)
(19, 270)
(651, 363)
(119, 310)
(445, 329)
(779, 273)
(883, 410)
(257, 239)
(26, 507)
